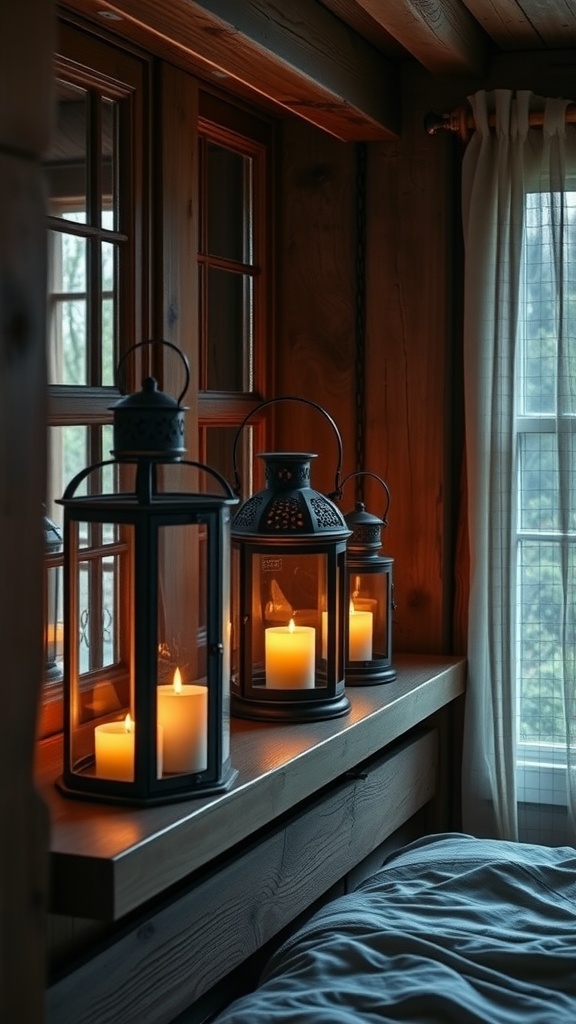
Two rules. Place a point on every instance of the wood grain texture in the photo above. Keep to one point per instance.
(440, 34)
(107, 861)
(412, 197)
(176, 220)
(526, 25)
(169, 960)
(315, 355)
(298, 55)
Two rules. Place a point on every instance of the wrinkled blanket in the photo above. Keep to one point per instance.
(451, 930)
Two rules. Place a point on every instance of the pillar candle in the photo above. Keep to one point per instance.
(114, 749)
(290, 656)
(183, 715)
(360, 635)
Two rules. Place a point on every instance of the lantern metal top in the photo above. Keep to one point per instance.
(149, 423)
(289, 507)
(366, 527)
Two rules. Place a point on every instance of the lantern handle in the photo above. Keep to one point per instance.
(155, 341)
(72, 486)
(374, 477)
(337, 492)
(226, 487)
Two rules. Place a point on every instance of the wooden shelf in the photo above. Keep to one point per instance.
(107, 861)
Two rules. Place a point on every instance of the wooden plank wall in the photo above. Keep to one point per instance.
(410, 376)
(315, 322)
(25, 122)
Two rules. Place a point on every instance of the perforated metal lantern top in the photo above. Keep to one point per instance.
(150, 423)
(289, 507)
(366, 530)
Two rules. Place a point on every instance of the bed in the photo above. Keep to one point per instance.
(450, 929)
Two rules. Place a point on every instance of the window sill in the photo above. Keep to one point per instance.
(107, 861)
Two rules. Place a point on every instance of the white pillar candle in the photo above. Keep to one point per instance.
(290, 656)
(183, 715)
(114, 749)
(359, 635)
(114, 746)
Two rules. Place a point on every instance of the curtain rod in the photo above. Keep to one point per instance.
(461, 121)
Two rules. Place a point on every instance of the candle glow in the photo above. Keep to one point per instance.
(360, 635)
(114, 750)
(290, 656)
(183, 716)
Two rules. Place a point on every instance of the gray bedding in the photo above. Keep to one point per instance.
(451, 929)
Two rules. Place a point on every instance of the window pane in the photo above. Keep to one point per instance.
(70, 450)
(538, 310)
(99, 580)
(218, 446)
(229, 213)
(109, 144)
(109, 349)
(65, 161)
(538, 475)
(229, 331)
(544, 272)
(541, 704)
(67, 255)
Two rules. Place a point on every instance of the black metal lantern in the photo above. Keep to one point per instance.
(53, 624)
(289, 607)
(147, 615)
(370, 590)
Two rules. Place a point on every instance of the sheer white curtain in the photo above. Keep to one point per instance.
(502, 166)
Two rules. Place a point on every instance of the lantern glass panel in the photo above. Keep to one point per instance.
(368, 623)
(183, 631)
(100, 683)
(182, 694)
(289, 597)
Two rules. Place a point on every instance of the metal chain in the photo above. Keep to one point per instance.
(360, 312)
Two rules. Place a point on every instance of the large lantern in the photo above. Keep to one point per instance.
(289, 607)
(147, 615)
(370, 591)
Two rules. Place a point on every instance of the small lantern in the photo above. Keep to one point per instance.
(289, 608)
(53, 625)
(147, 616)
(370, 592)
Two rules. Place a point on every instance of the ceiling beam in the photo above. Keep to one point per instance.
(297, 55)
(527, 26)
(441, 34)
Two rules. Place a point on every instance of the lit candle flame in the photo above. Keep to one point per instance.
(128, 724)
(177, 681)
(291, 626)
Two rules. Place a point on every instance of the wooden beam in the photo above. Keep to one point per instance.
(533, 25)
(441, 34)
(298, 56)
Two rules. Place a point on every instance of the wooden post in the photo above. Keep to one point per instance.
(25, 124)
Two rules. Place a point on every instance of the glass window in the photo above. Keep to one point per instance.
(234, 281)
(541, 526)
(91, 264)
